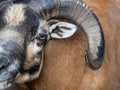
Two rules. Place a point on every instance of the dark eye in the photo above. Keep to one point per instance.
(41, 36)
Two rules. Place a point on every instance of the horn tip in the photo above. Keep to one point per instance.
(93, 64)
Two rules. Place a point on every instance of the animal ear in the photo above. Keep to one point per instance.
(60, 30)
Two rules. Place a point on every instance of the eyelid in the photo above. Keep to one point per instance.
(41, 36)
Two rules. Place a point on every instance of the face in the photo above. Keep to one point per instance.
(22, 37)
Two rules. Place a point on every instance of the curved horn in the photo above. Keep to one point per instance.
(83, 16)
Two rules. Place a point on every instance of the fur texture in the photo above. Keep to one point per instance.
(64, 65)
(15, 14)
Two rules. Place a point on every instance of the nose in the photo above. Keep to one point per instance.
(8, 70)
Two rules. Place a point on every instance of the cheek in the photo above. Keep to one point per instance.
(33, 56)
(37, 46)
(29, 56)
(30, 51)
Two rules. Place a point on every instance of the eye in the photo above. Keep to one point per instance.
(41, 36)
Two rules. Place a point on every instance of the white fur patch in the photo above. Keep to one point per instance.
(4, 85)
(15, 14)
(36, 48)
(12, 35)
(1, 49)
(14, 66)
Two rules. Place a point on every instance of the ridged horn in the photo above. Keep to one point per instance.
(83, 16)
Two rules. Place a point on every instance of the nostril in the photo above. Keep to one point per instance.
(3, 64)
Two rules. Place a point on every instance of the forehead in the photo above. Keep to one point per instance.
(19, 14)
(15, 14)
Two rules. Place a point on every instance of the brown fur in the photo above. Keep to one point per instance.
(64, 65)
(29, 56)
